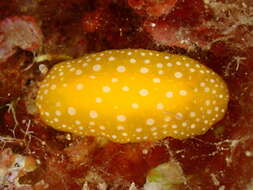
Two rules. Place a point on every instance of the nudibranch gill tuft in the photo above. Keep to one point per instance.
(132, 95)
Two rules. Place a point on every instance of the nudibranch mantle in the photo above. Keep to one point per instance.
(132, 95)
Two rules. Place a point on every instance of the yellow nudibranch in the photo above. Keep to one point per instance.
(132, 95)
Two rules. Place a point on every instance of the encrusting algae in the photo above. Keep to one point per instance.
(132, 95)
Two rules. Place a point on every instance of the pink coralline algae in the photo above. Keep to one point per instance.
(19, 31)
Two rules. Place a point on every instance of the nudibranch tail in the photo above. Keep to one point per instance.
(132, 96)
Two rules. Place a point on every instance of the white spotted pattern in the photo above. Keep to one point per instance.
(132, 96)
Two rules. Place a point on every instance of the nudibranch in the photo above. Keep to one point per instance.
(132, 95)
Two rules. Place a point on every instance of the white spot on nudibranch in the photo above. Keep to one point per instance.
(144, 70)
(79, 72)
(98, 100)
(156, 80)
(121, 118)
(106, 89)
(143, 92)
(111, 58)
(132, 60)
(159, 106)
(150, 121)
(96, 67)
(53, 86)
(79, 86)
(125, 88)
(71, 111)
(93, 114)
(115, 79)
(121, 68)
(169, 94)
(135, 106)
(58, 112)
(183, 92)
(138, 130)
(178, 75)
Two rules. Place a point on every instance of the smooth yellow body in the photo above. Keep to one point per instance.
(132, 95)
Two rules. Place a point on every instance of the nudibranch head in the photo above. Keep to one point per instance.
(132, 95)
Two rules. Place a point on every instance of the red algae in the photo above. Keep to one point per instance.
(152, 8)
(213, 32)
(94, 20)
(128, 162)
